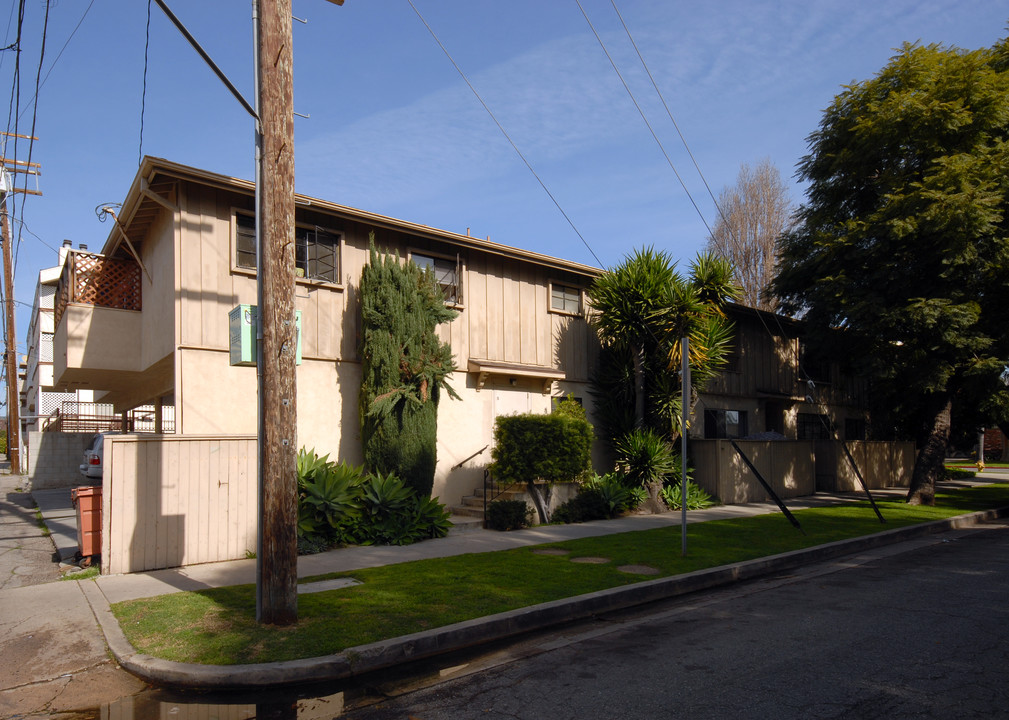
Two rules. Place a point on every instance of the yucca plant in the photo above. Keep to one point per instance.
(645, 459)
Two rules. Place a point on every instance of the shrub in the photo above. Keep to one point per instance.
(644, 457)
(329, 499)
(339, 504)
(953, 473)
(697, 499)
(600, 498)
(508, 515)
(387, 518)
(586, 505)
(404, 368)
(555, 448)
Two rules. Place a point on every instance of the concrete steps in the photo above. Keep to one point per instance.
(471, 506)
(464, 523)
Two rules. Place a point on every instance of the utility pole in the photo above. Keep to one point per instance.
(10, 340)
(276, 333)
(277, 545)
(10, 354)
(277, 555)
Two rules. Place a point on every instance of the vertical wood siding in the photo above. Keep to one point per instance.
(504, 316)
(177, 500)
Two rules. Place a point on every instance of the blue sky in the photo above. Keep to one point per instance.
(393, 129)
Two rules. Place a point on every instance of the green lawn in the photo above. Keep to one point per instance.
(218, 626)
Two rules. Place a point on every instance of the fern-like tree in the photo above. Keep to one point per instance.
(900, 260)
(642, 308)
(404, 368)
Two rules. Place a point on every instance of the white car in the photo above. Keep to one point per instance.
(93, 456)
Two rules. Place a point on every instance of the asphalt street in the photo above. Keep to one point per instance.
(895, 633)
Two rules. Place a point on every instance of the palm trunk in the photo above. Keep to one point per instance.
(639, 386)
(542, 503)
(928, 464)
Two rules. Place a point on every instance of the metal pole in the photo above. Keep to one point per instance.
(684, 410)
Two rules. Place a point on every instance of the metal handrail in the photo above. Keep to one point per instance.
(486, 486)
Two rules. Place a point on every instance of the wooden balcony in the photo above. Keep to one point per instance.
(97, 280)
(98, 323)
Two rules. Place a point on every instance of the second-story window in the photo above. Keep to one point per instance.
(245, 241)
(565, 298)
(446, 274)
(317, 252)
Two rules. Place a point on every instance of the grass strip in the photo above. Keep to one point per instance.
(218, 626)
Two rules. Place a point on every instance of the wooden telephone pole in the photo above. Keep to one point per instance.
(9, 168)
(277, 555)
(277, 544)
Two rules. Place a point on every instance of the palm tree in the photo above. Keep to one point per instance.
(625, 301)
(641, 309)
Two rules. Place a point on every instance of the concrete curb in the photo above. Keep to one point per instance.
(429, 643)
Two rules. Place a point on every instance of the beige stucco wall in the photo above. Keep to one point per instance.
(97, 338)
(221, 399)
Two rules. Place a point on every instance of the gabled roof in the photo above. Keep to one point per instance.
(153, 190)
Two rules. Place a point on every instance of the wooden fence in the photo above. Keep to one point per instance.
(794, 468)
(786, 465)
(172, 500)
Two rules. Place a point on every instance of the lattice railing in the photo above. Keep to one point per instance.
(98, 280)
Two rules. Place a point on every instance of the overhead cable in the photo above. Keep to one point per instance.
(505, 133)
(641, 112)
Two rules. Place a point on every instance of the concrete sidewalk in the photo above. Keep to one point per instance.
(77, 620)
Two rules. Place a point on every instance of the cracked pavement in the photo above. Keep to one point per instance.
(54, 661)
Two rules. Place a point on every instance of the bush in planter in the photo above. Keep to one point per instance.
(508, 515)
(530, 447)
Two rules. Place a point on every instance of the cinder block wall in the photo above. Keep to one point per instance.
(54, 459)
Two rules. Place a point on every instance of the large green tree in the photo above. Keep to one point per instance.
(404, 368)
(901, 259)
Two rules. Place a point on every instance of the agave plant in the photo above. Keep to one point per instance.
(309, 463)
(697, 499)
(330, 502)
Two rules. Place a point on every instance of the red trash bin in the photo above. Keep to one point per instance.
(88, 501)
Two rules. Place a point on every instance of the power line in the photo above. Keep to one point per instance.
(65, 44)
(665, 105)
(35, 114)
(641, 112)
(143, 94)
(28, 230)
(505, 133)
